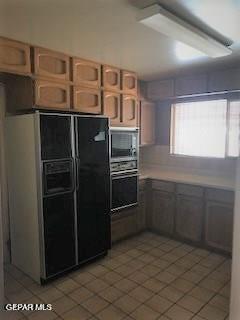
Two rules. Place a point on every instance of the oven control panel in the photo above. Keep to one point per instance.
(124, 166)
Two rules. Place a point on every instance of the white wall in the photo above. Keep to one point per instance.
(235, 290)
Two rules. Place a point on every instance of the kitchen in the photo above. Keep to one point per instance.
(119, 159)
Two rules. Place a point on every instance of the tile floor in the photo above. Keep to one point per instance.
(147, 277)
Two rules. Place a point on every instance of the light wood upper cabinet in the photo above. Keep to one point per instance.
(51, 94)
(112, 107)
(111, 78)
(191, 85)
(14, 56)
(86, 73)
(129, 110)
(147, 122)
(51, 64)
(87, 100)
(129, 82)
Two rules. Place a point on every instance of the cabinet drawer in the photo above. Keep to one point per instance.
(163, 185)
(51, 64)
(14, 56)
(52, 95)
(129, 111)
(220, 195)
(190, 190)
(87, 100)
(129, 82)
(112, 107)
(111, 78)
(86, 73)
(123, 227)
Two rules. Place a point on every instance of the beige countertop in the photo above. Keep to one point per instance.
(202, 179)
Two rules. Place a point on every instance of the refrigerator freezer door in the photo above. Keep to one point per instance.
(93, 190)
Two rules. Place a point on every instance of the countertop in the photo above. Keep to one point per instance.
(201, 179)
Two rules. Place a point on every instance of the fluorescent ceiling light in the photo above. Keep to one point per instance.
(165, 22)
(185, 52)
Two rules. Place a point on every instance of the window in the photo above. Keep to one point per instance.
(206, 128)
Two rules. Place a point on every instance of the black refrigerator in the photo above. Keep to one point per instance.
(75, 190)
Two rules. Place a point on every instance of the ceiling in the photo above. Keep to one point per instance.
(107, 31)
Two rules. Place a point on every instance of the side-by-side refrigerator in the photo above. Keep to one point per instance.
(59, 191)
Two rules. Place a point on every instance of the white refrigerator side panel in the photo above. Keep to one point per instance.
(23, 194)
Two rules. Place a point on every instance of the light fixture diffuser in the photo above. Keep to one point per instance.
(167, 23)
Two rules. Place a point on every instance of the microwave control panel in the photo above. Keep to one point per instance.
(123, 166)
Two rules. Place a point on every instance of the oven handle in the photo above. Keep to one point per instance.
(122, 175)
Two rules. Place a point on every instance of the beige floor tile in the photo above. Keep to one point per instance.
(163, 318)
(176, 270)
(67, 285)
(212, 313)
(166, 277)
(159, 304)
(220, 302)
(81, 294)
(190, 303)
(32, 300)
(150, 270)
(111, 313)
(134, 253)
(112, 264)
(171, 257)
(182, 285)
(124, 270)
(43, 315)
(138, 277)
(144, 247)
(51, 295)
(141, 294)
(201, 270)
(77, 313)
(154, 285)
(211, 284)
(185, 262)
(225, 291)
(19, 296)
(161, 264)
(166, 247)
(97, 270)
(179, 313)
(96, 285)
(197, 318)
(157, 252)
(127, 304)
(144, 313)
(147, 258)
(83, 277)
(124, 258)
(171, 294)
(192, 277)
(111, 277)
(201, 294)
(111, 294)
(63, 305)
(193, 257)
(11, 315)
(94, 304)
(37, 289)
(135, 264)
(125, 285)
(201, 252)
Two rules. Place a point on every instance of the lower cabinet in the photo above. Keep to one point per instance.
(219, 219)
(163, 211)
(142, 207)
(189, 217)
(124, 224)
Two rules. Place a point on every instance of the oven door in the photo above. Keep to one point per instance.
(124, 191)
(124, 144)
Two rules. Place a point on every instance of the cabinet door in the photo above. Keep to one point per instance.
(189, 217)
(111, 78)
(14, 56)
(163, 206)
(219, 225)
(147, 123)
(129, 82)
(129, 111)
(51, 64)
(124, 225)
(111, 107)
(86, 73)
(52, 95)
(87, 100)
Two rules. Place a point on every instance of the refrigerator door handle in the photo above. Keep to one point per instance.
(77, 163)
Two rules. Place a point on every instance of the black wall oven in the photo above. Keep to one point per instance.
(124, 190)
